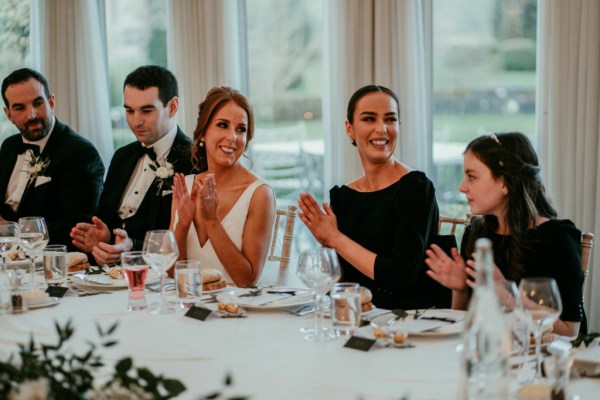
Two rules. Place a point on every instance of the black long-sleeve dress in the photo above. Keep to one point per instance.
(554, 251)
(397, 223)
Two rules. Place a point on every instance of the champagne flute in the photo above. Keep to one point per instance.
(34, 237)
(9, 239)
(543, 305)
(160, 252)
(319, 269)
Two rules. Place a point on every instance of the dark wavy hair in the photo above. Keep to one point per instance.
(148, 76)
(216, 98)
(362, 92)
(23, 75)
(512, 157)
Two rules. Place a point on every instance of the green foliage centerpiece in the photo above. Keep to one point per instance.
(44, 371)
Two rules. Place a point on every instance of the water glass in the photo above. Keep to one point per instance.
(56, 266)
(9, 239)
(136, 273)
(4, 292)
(345, 308)
(188, 282)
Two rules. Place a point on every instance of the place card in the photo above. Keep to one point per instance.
(359, 343)
(199, 313)
(57, 291)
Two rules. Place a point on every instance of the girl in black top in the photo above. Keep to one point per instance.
(503, 187)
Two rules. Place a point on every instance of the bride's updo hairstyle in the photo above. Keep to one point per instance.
(216, 98)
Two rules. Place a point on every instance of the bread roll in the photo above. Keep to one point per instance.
(210, 286)
(365, 299)
(77, 261)
(210, 275)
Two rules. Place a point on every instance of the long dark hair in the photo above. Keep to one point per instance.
(216, 98)
(512, 157)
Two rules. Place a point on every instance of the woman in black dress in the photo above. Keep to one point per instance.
(380, 224)
(504, 189)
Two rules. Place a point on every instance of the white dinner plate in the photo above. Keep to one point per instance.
(266, 300)
(424, 328)
(105, 282)
(447, 330)
(42, 302)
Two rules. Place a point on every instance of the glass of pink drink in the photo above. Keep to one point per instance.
(136, 272)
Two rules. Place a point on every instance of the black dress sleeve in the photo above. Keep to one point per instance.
(416, 217)
(561, 256)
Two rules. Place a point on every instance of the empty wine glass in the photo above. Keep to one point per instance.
(542, 304)
(9, 239)
(160, 252)
(34, 237)
(511, 304)
(319, 269)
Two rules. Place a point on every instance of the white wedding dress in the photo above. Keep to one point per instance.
(233, 223)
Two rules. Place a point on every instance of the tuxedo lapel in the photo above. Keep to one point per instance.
(7, 164)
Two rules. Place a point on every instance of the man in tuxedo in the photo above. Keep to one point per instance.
(137, 190)
(48, 169)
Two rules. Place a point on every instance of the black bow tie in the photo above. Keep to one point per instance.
(146, 150)
(23, 147)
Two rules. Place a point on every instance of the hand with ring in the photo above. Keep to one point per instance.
(209, 197)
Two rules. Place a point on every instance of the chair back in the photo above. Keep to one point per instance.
(587, 243)
(454, 221)
(288, 236)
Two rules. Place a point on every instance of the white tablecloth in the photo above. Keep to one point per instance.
(265, 353)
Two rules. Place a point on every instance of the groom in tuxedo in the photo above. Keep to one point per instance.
(47, 170)
(137, 190)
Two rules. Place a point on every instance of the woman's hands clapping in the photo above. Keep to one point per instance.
(322, 223)
(203, 196)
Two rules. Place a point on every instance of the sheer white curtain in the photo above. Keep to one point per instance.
(205, 49)
(568, 109)
(68, 38)
(375, 42)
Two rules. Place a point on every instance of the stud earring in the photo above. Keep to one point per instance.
(201, 143)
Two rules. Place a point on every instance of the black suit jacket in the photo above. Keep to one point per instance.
(71, 196)
(155, 210)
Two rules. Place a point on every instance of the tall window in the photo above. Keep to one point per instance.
(14, 47)
(285, 80)
(484, 81)
(136, 35)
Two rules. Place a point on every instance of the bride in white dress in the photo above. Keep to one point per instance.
(224, 215)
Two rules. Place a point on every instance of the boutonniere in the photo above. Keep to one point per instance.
(163, 174)
(37, 166)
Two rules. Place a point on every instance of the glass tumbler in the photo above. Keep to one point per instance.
(345, 308)
(136, 273)
(188, 282)
(56, 268)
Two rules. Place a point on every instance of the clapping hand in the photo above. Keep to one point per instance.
(448, 271)
(322, 223)
(185, 202)
(108, 254)
(85, 236)
(208, 197)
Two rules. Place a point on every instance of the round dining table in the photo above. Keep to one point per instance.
(265, 354)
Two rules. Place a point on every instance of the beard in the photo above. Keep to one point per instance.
(39, 132)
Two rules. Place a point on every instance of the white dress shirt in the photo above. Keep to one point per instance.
(142, 176)
(20, 177)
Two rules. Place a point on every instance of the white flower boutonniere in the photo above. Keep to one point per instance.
(37, 166)
(163, 174)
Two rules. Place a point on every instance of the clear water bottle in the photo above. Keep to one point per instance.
(486, 339)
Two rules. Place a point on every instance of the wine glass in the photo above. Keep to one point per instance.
(9, 239)
(319, 269)
(543, 305)
(510, 302)
(160, 252)
(34, 237)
